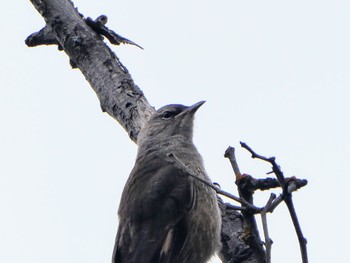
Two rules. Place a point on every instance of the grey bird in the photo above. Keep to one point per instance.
(165, 214)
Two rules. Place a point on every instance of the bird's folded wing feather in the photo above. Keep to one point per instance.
(154, 227)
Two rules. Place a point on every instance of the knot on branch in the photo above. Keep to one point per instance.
(292, 184)
(44, 37)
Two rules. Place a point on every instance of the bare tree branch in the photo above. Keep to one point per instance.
(82, 40)
(214, 187)
(288, 186)
(230, 154)
(114, 86)
(268, 241)
(117, 92)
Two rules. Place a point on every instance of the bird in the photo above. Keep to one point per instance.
(166, 214)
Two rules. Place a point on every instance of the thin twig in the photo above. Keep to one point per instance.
(301, 238)
(215, 188)
(230, 154)
(275, 168)
(268, 241)
(288, 188)
(275, 203)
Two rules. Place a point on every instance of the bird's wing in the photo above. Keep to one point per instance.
(154, 228)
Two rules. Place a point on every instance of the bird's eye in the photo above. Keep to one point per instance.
(167, 114)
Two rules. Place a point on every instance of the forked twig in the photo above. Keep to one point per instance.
(287, 187)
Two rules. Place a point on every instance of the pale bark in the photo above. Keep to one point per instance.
(120, 97)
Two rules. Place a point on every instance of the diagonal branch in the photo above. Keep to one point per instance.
(214, 187)
(119, 96)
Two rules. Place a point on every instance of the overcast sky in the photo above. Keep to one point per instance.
(275, 74)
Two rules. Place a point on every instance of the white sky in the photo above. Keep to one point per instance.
(275, 74)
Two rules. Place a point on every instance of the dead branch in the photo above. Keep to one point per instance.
(82, 40)
(288, 186)
(268, 241)
(252, 237)
(119, 96)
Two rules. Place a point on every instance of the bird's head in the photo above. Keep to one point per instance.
(170, 120)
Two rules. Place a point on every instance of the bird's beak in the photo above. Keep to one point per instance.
(191, 110)
(195, 107)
